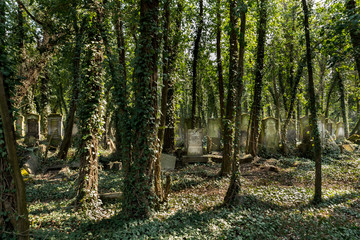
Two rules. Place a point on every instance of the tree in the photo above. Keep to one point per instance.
(256, 104)
(313, 116)
(14, 215)
(353, 16)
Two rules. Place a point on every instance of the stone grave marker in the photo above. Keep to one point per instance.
(19, 126)
(167, 162)
(243, 129)
(322, 127)
(340, 131)
(187, 126)
(331, 127)
(194, 142)
(214, 132)
(55, 131)
(304, 128)
(179, 133)
(269, 136)
(291, 133)
(32, 128)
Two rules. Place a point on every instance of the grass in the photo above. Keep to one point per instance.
(273, 205)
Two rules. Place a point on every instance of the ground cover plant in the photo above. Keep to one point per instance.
(273, 205)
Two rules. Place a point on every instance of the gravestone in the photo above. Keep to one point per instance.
(331, 127)
(55, 131)
(75, 128)
(167, 162)
(291, 133)
(179, 134)
(32, 128)
(322, 127)
(187, 126)
(340, 131)
(214, 132)
(194, 142)
(243, 129)
(269, 136)
(304, 128)
(19, 126)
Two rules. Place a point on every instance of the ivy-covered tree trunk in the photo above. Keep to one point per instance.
(229, 115)
(14, 220)
(234, 187)
(354, 31)
(90, 118)
(138, 196)
(313, 115)
(195, 62)
(218, 59)
(66, 142)
(256, 104)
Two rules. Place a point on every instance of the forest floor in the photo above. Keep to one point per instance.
(273, 204)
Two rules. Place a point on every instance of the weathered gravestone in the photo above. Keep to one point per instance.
(187, 126)
(55, 131)
(167, 162)
(214, 132)
(269, 136)
(291, 133)
(75, 128)
(331, 127)
(19, 126)
(243, 129)
(322, 127)
(340, 131)
(304, 129)
(32, 128)
(194, 142)
(179, 133)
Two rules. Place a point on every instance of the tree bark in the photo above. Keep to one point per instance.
(229, 115)
(354, 32)
(256, 105)
(328, 97)
(218, 59)
(313, 115)
(234, 187)
(343, 102)
(195, 62)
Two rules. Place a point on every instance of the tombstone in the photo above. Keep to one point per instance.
(214, 132)
(269, 136)
(187, 125)
(331, 127)
(194, 142)
(243, 129)
(340, 131)
(75, 128)
(179, 134)
(19, 126)
(304, 128)
(291, 133)
(167, 162)
(32, 128)
(55, 131)
(322, 127)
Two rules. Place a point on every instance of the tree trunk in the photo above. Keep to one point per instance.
(229, 115)
(256, 105)
(354, 31)
(328, 96)
(90, 115)
(138, 194)
(66, 142)
(218, 59)
(234, 187)
(313, 115)
(195, 62)
(14, 221)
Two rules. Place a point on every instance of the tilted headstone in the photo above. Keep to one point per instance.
(243, 129)
(167, 162)
(55, 130)
(340, 131)
(194, 142)
(269, 136)
(214, 132)
(32, 128)
(291, 133)
(19, 126)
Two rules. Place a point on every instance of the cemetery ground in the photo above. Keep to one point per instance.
(275, 203)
